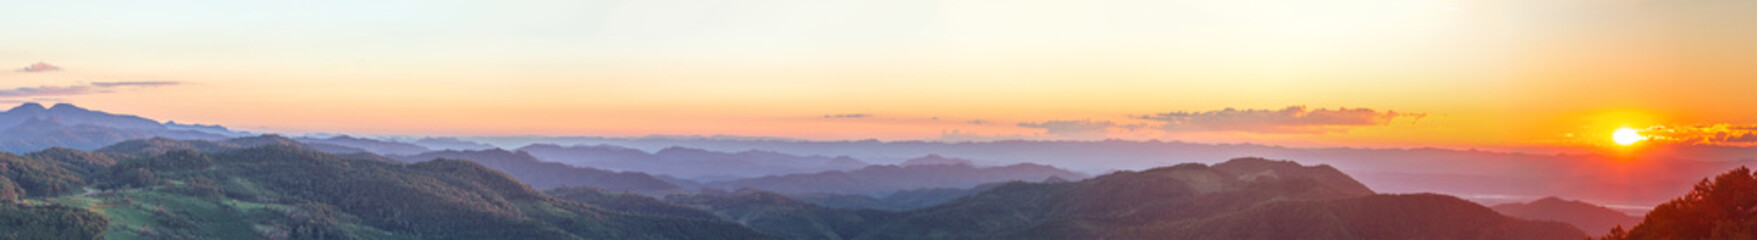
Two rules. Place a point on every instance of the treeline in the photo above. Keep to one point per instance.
(19, 221)
(1722, 207)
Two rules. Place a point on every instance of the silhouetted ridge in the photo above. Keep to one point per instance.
(1586, 216)
(1715, 208)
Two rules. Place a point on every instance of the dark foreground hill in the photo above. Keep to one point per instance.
(279, 191)
(1588, 217)
(1723, 207)
(1270, 200)
(1193, 201)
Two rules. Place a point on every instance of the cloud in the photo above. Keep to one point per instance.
(1290, 120)
(1078, 129)
(92, 88)
(39, 67)
(136, 84)
(49, 91)
(848, 115)
(1703, 134)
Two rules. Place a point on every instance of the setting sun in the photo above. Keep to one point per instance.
(1626, 136)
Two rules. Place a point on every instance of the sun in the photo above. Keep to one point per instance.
(1626, 136)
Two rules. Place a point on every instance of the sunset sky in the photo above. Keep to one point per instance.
(1371, 73)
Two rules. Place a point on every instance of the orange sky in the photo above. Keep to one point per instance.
(1487, 73)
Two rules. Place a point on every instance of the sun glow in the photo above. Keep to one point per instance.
(1626, 136)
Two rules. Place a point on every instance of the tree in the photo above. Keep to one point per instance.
(1724, 207)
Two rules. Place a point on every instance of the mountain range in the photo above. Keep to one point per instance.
(1587, 216)
(273, 187)
(1272, 200)
(1484, 176)
(30, 127)
(1643, 179)
(276, 190)
(689, 163)
(548, 175)
(880, 180)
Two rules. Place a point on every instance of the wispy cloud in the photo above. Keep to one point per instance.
(1079, 129)
(92, 88)
(39, 67)
(848, 115)
(136, 84)
(50, 91)
(1290, 120)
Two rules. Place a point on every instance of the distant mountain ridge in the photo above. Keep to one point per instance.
(690, 163)
(31, 127)
(381, 147)
(880, 180)
(547, 175)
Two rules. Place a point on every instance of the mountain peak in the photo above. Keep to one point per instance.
(26, 107)
(65, 107)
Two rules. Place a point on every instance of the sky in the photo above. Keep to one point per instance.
(1367, 73)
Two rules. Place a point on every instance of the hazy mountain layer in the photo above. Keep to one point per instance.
(691, 163)
(30, 127)
(546, 175)
(881, 180)
(1586, 216)
(381, 147)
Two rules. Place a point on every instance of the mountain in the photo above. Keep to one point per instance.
(1588, 217)
(935, 159)
(546, 175)
(1412, 216)
(691, 163)
(624, 202)
(1715, 208)
(880, 180)
(84, 163)
(23, 221)
(159, 145)
(1186, 201)
(898, 201)
(37, 178)
(74, 115)
(285, 191)
(1252, 168)
(446, 143)
(381, 147)
(776, 214)
(1574, 173)
(211, 129)
(1195, 201)
(31, 127)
